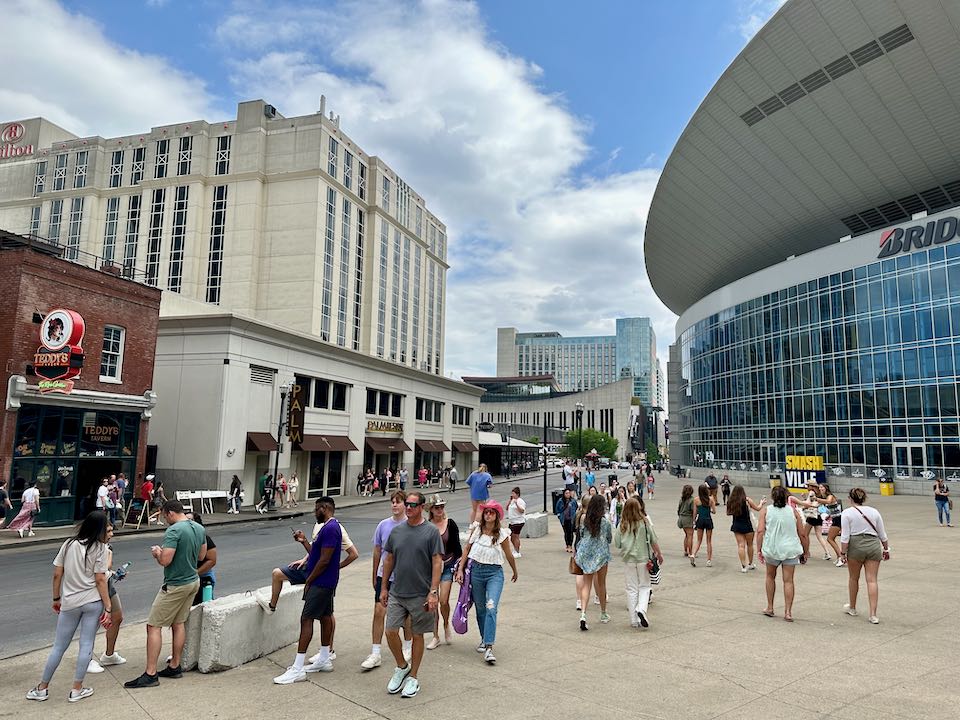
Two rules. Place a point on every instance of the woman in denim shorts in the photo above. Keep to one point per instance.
(779, 536)
(450, 536)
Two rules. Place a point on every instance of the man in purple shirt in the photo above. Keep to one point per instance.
(323, 574)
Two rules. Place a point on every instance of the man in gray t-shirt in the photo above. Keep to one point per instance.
(413, 552)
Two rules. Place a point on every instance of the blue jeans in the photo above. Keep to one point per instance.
(486, 584)
(943, 506)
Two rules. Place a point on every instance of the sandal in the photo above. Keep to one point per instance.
(788, 618)
(768, 613)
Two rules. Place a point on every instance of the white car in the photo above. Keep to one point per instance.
(623, 466)
(558, 463)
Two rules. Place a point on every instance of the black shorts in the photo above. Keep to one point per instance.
(318, 603)
(704, 524)
(515, 529)
(836, 522)
(815, 521)
(378, 588)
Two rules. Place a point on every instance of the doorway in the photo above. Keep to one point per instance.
(909, 459)
(90, 471)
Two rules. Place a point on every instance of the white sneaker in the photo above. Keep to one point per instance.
(743, 568)
(826, 556)
(517, 555)
(372, 661)
(396, 680)
(489, 657)
(319, 667)
(850, 610)
(36, 693)
(752, 566)
(94, 667)
(115, 659)
(333, 655)
(291, 676)
(411, 687)
(841, 562)
(874, 620)
(78, 695)
(482, 647)
(709, 563)
(264, 603)
(31, 534)
(433, 644)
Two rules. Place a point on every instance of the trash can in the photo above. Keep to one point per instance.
(886, 487)
(555, 495)
(611, 476)
(775, 481)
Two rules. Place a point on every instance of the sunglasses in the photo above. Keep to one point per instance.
(413, 504)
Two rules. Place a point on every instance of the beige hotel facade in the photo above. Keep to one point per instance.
(291, 263)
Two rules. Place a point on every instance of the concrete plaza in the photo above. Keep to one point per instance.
(709, 652)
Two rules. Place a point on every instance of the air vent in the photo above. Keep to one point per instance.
(912, 204)
(935, 198)
(771, 105)
(791, 94)
(855, 224)
(873, 218)
(895, 38)
(752, 116)
(839, 67)
(870, 51)
(262, 375)
(814, 81)
(893, 212)
(953, 190)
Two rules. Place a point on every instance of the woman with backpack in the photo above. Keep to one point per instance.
(80, 599)
(638, 545)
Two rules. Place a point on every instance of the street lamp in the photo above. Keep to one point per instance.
(579, 415)
(284, 389)
(545, 428)
(509, 430)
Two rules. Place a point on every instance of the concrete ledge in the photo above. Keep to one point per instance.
(191, 648)
(537, 525)
(236, 629)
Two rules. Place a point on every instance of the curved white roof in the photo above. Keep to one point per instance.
(839, 117)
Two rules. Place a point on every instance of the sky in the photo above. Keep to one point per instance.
(535, 129)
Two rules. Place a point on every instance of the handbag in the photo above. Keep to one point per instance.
(574, 568)
(464, 602)
(653, 567)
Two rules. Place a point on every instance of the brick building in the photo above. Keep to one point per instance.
(67, 431)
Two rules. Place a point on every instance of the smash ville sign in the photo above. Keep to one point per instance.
(916, 237)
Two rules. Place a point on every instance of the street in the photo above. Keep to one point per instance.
(246, 553)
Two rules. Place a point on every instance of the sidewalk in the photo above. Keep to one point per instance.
(709, 653)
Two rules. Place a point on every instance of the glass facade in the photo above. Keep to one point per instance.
(858, 366)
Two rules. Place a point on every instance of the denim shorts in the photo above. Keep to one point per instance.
(447, 574)
(296, 576)
(777, 563)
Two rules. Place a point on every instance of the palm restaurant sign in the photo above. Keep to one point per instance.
(59, 359)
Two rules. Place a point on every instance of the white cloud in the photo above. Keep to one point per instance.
(753, 15)
(534, 243)
(64, 68)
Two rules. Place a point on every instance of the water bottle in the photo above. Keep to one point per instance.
(207, 593)
(121, 572)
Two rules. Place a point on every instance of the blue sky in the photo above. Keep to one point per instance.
(535, 129)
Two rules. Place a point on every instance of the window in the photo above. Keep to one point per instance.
(415, 317)
(40, 179)
(430, 410)
(403, 203)
(329, 395)
(35, 220)
(136, 167)
(347, 170)
(177, 235)
(53, 225)
(110, 229)
(60, 172)
(418, 228)
(163, 157)
(73, 228)
(327, 292)
(223, 155)
(333, 157)
(395, 305)
(362, 181)
(155, 236)
(382, 283)
(116, 168)
(80, 171)
(381, 402)
(404, 299)
(218, 222)
(133, 232)
(343, 294)
(185, 156)
(385, 193)
(461, 415)
(358, 282)
(111, 357)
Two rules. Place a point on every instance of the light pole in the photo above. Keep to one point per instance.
(579, 416)
(284, 389)
(545, 428)
(509, 430)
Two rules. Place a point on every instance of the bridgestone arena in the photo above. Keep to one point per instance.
(805, 230)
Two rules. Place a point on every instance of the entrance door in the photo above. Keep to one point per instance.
(909, 459)
(768, 452)
(90, 472)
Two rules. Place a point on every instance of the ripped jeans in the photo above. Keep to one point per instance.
(486, 584)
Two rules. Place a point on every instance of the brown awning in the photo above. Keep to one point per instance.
(432, 446)
(385, 445)
(324, 443)
(261, 442)
(464, 446)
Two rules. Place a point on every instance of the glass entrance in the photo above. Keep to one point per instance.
(910, 459)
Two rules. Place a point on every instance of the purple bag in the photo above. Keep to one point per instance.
(464, 602)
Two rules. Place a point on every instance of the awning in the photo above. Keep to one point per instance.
(432, 446)
(385, 445)
(261, 442)
(464, 446)
(325, 443)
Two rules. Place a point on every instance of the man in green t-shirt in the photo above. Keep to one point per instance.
(184, 545)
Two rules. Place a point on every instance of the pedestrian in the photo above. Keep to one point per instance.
(590, 477)
(454, 477)
(122, 490)
(159, 499)
(234, 499)
(146, 496)
(638, 545)
(651, 483)
(323, 576)
(266, 483)
(711, 482)
(593, 557)
(380, 535)
(941, 496)
(281, 491)
(863, 542)
(387, 479)
(415, 551)
(479, 483)
(516, 518)
(184, 546)
(208, 579)
(616, 506)
(361, 483)
(5, 504)
(422, 477)
(111, 656)
(631, 489)
(293, 488)
(80, 599)
(566, 512)
(779, 539)
(704, 507)
(834, 508)
(404, 477)
(22, 524)
(738, 508)
(450, 536)
(487, 546)
(725, 486)
(685, 518)
(812, 520)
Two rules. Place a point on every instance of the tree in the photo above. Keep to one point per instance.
(604, 444)
(534, 440)
(652, 453)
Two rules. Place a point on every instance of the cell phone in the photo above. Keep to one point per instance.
(293, 530)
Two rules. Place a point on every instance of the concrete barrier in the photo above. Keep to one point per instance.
(237, 630)
(537, 525)
(191, 648)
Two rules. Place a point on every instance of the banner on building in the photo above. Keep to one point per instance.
(802, 469)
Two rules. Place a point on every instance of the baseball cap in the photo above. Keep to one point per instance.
(150, 477)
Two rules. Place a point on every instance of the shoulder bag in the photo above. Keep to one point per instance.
(653, 567)
(870, 523)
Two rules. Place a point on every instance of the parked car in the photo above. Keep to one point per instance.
(558, 463)
(604, 462)
(623, 466)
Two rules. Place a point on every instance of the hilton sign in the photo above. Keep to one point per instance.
(9, 137)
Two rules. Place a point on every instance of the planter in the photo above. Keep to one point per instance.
(886, 487)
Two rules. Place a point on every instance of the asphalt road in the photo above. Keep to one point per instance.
(246, 555)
